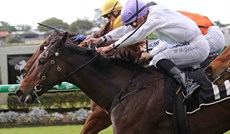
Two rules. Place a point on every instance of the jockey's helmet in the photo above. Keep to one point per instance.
(132, 10)
(109, 6)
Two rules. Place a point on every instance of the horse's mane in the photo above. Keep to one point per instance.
(128, 59)
(56, 35)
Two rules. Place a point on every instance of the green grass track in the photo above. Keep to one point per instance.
(66, 129)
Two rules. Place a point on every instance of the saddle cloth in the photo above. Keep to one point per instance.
(206, 95)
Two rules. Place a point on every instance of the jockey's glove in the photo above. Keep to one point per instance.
(78, 38)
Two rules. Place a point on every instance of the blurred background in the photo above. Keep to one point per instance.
(20, 35)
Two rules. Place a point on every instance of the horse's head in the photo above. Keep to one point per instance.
(219, 69)
(41, 66)
(39, 50)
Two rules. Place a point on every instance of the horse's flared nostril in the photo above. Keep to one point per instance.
(19, 93)
(208, 70)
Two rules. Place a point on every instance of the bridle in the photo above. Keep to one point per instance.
(40, 86)
(227, 70)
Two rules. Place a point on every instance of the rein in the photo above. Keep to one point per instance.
(227, 70)
(125, 92)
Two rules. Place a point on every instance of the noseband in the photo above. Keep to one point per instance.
(227, 70)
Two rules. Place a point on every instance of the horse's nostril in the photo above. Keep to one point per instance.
(19, 93)
(208, 70)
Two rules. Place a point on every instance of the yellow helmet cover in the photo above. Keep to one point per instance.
(109, 6)
(117, 22)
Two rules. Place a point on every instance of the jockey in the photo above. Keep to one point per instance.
(212, 33)
(111, 10)
(181, 42)
(215, 38)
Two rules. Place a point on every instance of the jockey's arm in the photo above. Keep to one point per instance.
(118, 33)
(112, 35)
(104, 30)
(152, 23)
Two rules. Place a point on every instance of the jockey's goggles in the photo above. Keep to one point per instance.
(133, 24)
(107, 16)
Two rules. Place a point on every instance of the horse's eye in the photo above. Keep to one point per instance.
(52, 42)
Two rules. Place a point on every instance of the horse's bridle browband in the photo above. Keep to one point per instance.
(227, 70)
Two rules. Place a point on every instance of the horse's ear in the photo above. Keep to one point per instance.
(64, 37)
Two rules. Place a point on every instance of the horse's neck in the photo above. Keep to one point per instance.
(101, 85)
(102, 79)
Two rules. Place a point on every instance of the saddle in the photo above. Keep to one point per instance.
(207, 94)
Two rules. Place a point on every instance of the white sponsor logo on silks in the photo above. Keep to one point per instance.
(151, 45)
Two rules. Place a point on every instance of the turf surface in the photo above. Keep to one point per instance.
(68, 129)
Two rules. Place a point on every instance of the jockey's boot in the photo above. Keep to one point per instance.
(174, 71)
(181, 78)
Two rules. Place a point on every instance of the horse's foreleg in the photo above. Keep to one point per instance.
(97, 121)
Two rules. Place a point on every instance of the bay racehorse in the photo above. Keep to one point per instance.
(131, 94)
(98, 119)
(218, 70)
